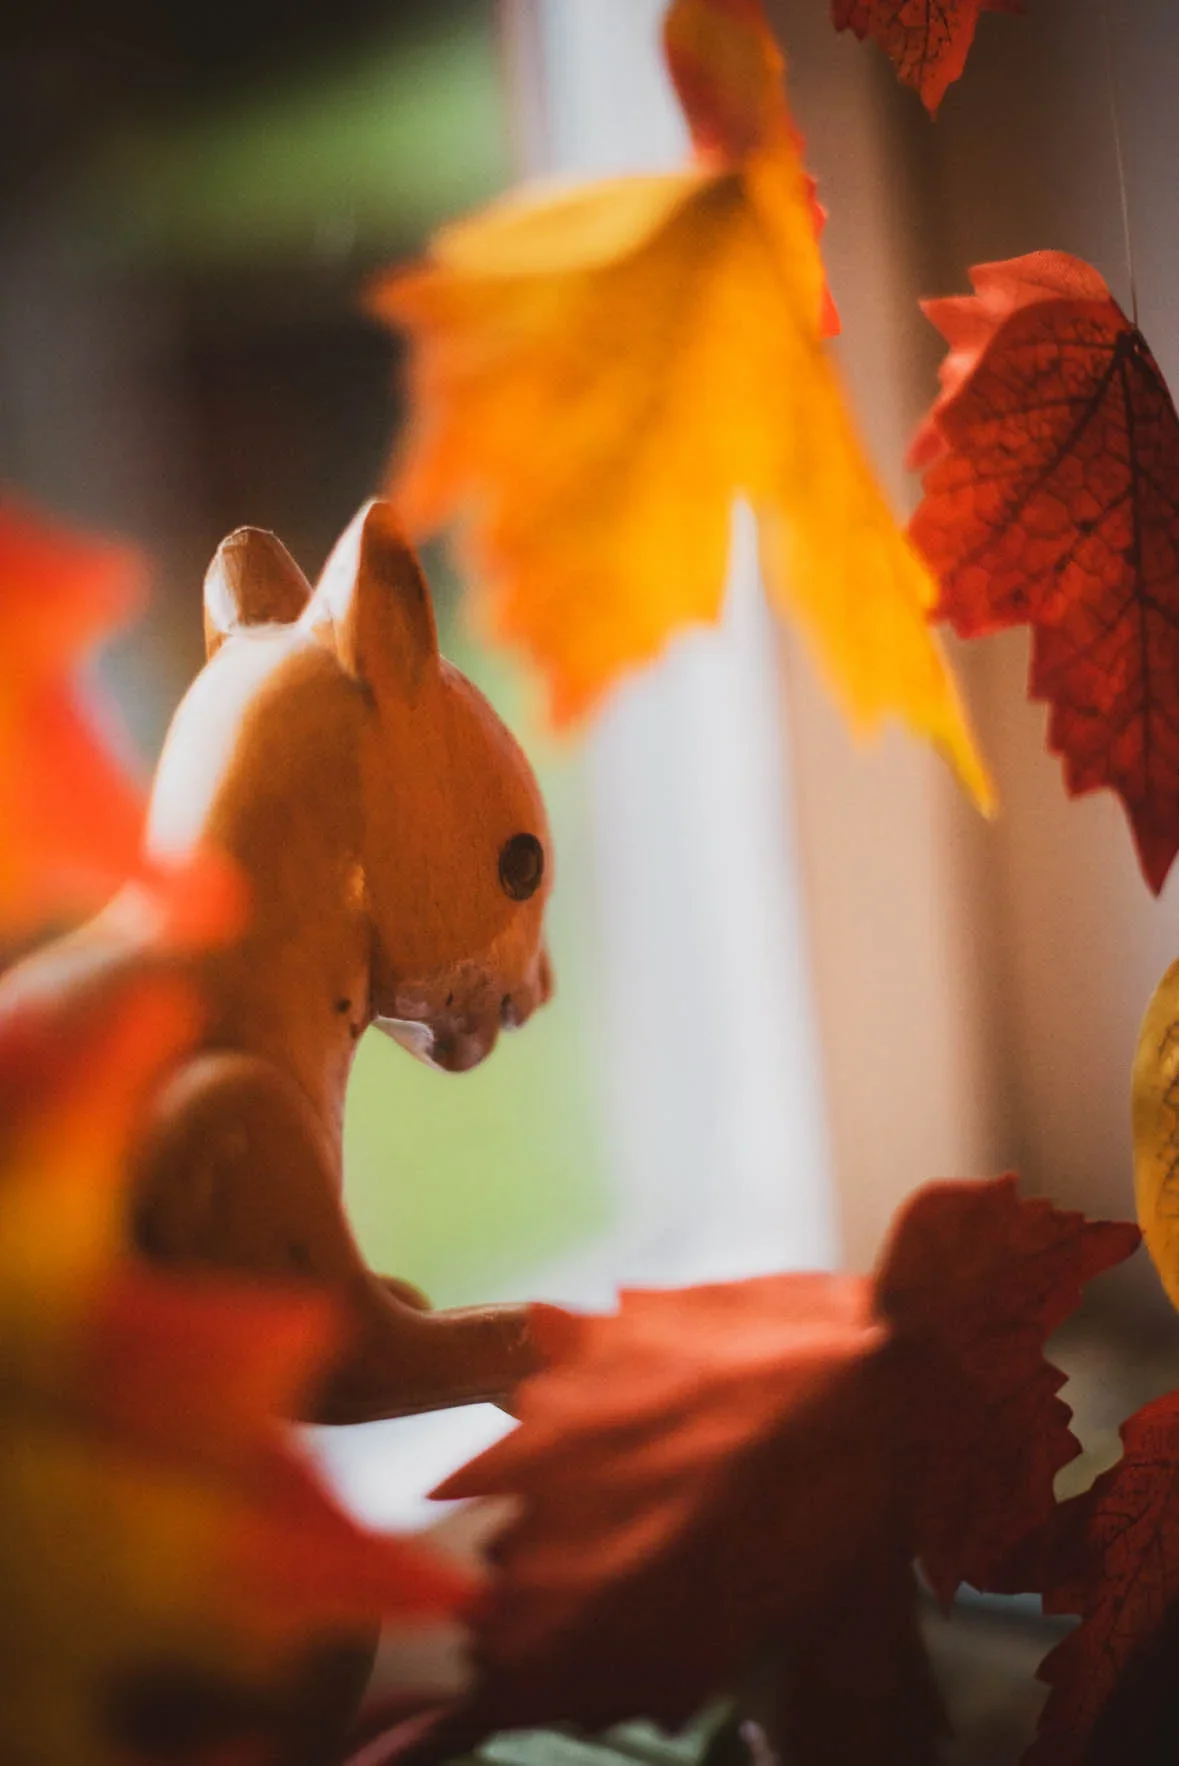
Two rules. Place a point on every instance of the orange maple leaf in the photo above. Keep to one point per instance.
(1052, 499)
(166, 1552)
(716, 1467)
(599, 375)
(926, 40)
(70, 809)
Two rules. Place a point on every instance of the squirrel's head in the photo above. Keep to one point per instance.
(455, 861)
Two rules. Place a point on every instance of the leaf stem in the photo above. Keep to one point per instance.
(1119, 156)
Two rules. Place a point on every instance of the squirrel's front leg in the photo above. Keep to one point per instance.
(235, 1173)
(405, 1360)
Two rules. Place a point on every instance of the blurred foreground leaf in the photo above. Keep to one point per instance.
(177, 1583)
(718, 1472)
(70, 811)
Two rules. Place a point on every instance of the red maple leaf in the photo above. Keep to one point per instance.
(693, 1484)
(859, 1684)
(1113, 1558)
(973, 1282)
(1052, 499)
(71, 810)
(715, 1467)
(926, 40)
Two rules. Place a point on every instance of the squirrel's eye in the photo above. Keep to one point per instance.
(521, 866)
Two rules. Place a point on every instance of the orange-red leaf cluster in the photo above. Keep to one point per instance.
(166, 1551)
(710, 1469)
(926, 40)
(1052, 499)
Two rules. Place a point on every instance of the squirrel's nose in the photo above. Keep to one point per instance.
(458, 1050)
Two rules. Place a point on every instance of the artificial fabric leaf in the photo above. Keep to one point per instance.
(599, 375)
(860, 1685)
(1052, 499)
(926, 40)
(1139, 1724)
(165, 1551)
(692, 1485)
(973, 1282)
(70, 810)
(715, 1468)
(1114, 1559)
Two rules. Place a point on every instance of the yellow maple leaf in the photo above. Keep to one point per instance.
(1155, 1113)
(598, 375)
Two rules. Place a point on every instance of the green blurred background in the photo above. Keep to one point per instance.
(469, 1183)
(191, 199)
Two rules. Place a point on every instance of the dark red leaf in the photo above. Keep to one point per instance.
(860, 1686)
(719, 1470)
(693, 1483)
(1052, 499)
(973, 1282)
(926, 40)
(1114, 1559)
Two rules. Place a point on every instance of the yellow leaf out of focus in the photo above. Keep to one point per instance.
(599, 375)
(1155, 1094)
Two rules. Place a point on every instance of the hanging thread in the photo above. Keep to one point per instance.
(1115, 121)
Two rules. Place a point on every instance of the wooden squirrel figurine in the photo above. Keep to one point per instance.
(396, 850)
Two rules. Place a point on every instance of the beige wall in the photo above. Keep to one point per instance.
(979, 988)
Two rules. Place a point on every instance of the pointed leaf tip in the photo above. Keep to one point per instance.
(728, 72)
(927, 41)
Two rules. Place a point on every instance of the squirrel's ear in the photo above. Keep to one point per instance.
(253, 580)
(373, 604)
